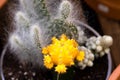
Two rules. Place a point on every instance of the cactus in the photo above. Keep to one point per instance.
(99, 45)
(35, 26)
(41, 34)
(89, 58)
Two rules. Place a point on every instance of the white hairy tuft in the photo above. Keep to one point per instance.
(21, 19)
(65, 9)
(15, 41)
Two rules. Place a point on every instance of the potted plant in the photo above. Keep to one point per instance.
(44, 46)
(115, 74)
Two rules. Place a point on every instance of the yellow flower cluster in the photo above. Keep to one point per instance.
(61, 53)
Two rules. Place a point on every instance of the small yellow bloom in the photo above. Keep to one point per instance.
(63, 37)
(75, 44)
(80, 56)
(54, 40)
(44, 50)
(60, 68)
(48, 62)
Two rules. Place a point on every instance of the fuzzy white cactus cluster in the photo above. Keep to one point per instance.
(100, 45)
(89, 58)
(35, 26)
(95, 47)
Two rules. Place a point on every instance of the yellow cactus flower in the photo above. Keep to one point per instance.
(60, 68)
(80, 56)
(44, 50)
(61, 53)
(63, 38)
(48, 62)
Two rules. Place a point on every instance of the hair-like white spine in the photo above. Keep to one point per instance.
(21, 19)
(65, 9)
(15, 41)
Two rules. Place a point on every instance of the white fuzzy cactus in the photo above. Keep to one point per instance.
(88, 60)
(100, 45)
(21, 19)
(65, 9)
(35, 26)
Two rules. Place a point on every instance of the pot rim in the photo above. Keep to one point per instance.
(2, 2)
(115, 74)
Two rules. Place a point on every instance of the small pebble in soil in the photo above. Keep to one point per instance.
(20, 72)
(25, 73)
(20, 66)
(10, 73)
(33, 73)
(12, 78)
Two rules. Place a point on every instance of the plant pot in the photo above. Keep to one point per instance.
(11, 68)
(108, 8)
(2, 2)
(115, 74)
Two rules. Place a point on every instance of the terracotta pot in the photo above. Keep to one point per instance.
(115, 74)
(108, 8)
(2, 2)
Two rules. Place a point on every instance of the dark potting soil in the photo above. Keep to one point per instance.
(13, 70)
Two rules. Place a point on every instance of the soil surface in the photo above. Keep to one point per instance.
(13, 70)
